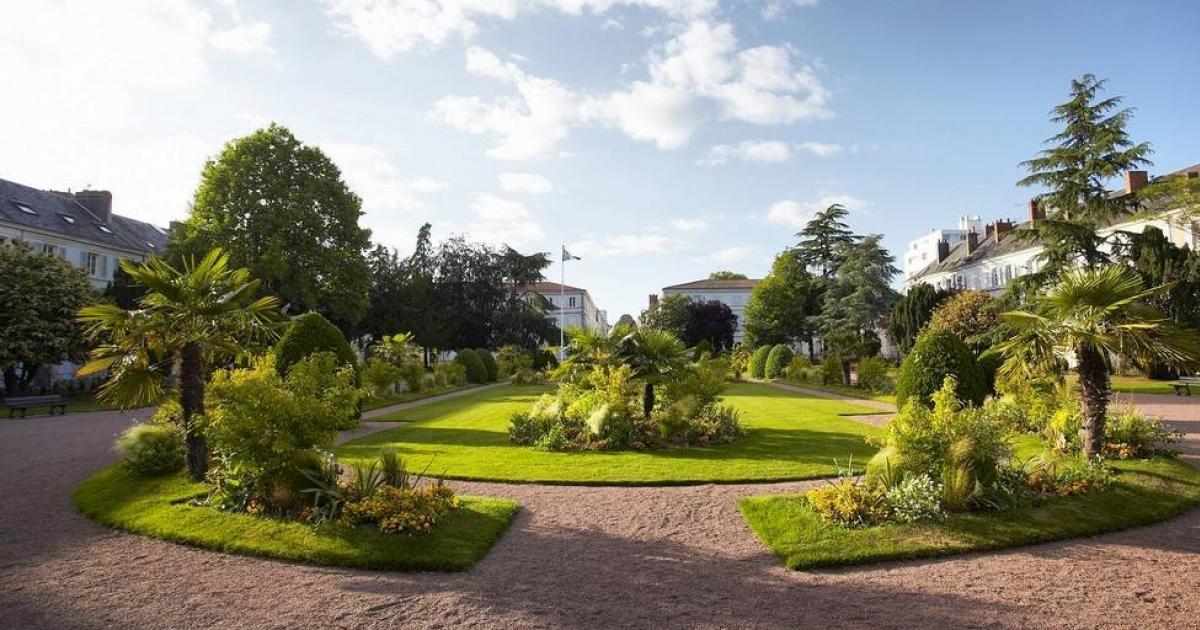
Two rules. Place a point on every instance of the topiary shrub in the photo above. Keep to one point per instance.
(489, 364)
(476, 371)
(777, 361)
(936, 355)
(758, 362)
(151, 449)
(309, 334)
(704, 347)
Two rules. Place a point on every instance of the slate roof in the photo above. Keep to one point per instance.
(53, 209)
(714, 285)
(551, 287)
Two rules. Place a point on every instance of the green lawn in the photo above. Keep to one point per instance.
(1135, 385)
(845, 391)
(789, 436)
(158, 507)
(1146, 491)
(75, 404)
(376, 402)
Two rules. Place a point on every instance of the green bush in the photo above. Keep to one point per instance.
(777, 361)
(311, 333)
(989, 366)
(381, 376)
(449, 374)
(476, 370)
(758, 362)
(873, 376)
(797, 367)
(1128, 433)
(705, 347)
(544, 359)
(402, 510)
(832, 372)
(413, 375)
(935, 356)
(151, 449)
(489, 364)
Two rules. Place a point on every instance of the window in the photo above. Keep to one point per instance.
(995, 278)
(95, 264)
(47, 248)
(1007, 274)
(68, 218)
(571, 301)
(104, 228)
(24, 208)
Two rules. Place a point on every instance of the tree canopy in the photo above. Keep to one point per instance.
(782, 305)
(911, 312)
(710, 321)
(669, 314)
(726, 275)
(824, 240)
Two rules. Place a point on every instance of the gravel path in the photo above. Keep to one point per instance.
(575, 558)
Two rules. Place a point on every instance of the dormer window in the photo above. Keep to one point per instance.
(104, 228)
(24, 208)
(68, 218)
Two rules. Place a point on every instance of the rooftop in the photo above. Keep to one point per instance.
(552, 287)
(63, 214)
(744, 283)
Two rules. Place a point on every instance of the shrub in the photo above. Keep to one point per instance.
(308, 334)
(491, 368)
(702, 349)
(970, 316)
(524, 428)
(151, 449)
(777, 361)
(915, 498)
(832, 372)
(796, 367)
(449, 374)
(739, 359)
(935, 356)
(758, 362)
(413, 375)
(381, 376)
(989, 366)
(526, 376)
(1057, 474)
(402, 510)
(510, 359)
(849, 502)
(1128, 434)
(873, 376)
(544, 359)
(475, 370)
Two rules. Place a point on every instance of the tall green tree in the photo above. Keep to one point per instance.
(911, 312)
(711, 321)
(782, 305)
(1160, 262)
(1093, 314)
(201, 313)
(859, 296)
(669, 314)
(39, 296)
(726, 275)
(825, 240)
(280, 208)
(1092, 149)
(654, 355)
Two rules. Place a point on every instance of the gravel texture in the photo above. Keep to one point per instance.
(574, 558)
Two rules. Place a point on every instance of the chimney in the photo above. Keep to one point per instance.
(1035, 211)
(98, 202)
(653, 300)
(1002, 228)
(989, 231)
(943, 250)
(972, 241)
(1135, 181)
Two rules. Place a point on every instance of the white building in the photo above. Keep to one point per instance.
(571, 306)
(924, 250)
(78, 227)
(732, 293)
(990, 260)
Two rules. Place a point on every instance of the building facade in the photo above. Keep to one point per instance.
(571, 306)
(924, 250)
(78, 227)
(732, 293)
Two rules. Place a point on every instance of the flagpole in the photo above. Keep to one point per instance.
(562, 302)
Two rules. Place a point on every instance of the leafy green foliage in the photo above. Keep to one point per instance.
(849, 502)
(309, 334)
(381, 376)
(475, 369)
(710, 321)
(39, 297)
(972, 316)
(1130, 433)
(758, 362)
(825, 240)
(450, 374)
(782, 305)
(489, 364)
(670, 314)
(935, 356)
(832, 371)
(857, 298)
(873, 375)
(151, 449)
(281, 208)
(402, 510)
(911, 313)
(777, 361)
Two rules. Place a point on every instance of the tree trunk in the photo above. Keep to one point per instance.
(648, 400)
(812, 352)
(191, 399)
(845, 371)
(1094, 390)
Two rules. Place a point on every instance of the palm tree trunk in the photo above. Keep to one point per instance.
(648, 400)
(1094, 391)
(191, 399)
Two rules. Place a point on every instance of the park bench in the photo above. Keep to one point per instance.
(1184, 385)
(23, 403)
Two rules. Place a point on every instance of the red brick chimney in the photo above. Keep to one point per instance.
(972, 241)
(1035, 211)
(653, 300)
(1002, 228)
(1135, 181)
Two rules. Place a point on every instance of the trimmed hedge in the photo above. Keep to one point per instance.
(489, 364)
(936, 355)
(758, 362)
(309, 334)
(469, 359)
(777, 361)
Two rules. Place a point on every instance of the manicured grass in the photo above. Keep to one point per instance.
(376, 403)
(159, 507)
(1135, 385)
(789, 436)
(845, 391)
(1145, 491)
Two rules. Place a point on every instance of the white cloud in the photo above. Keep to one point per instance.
(392, 27)
(731, 254)
(504, 222)
(526, 183)
(690, 225)
(757, 151)
(797, 213)
(253, 37)
(649, 112)
(645, 243)
(774, 9)
(370, 174)
(822, 149)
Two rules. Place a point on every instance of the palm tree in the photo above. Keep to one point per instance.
(398, 349)
(653, 355)
(200, 313)
(1094, 314)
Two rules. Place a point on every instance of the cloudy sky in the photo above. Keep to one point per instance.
(658, 139)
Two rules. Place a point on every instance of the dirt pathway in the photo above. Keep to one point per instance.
(575, 558)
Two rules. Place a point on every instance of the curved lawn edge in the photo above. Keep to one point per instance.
(158, 507)
(1145, 492)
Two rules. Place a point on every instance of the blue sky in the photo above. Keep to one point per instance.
(659, 139)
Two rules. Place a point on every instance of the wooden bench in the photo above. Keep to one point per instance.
(23, 403)
(1183, 387)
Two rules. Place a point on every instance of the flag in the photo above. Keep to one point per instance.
(567, 255)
